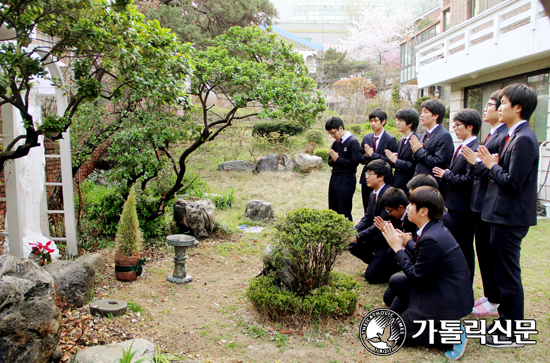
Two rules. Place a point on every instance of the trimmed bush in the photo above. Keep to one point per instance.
(128, 238)
(276, 130)
(337, 298)
(322, 153)
(315, 136)
(309, 242)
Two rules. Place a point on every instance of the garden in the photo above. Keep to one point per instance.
(214, 319)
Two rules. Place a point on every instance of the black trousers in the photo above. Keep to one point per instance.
(340, 194)
(464, 234)
(482, 231)
(365, 194)
(380, 268)
(506, 250)
(424, 338)
(398, 293)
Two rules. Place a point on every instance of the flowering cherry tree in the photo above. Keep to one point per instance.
(377, 34)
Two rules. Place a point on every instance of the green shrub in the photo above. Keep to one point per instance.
(309, 241)
(322, 153)
(356, 129)
(315, 136)
(276, 130)
(417, 104)
(128, 237)
(221, 201)
(337, 298)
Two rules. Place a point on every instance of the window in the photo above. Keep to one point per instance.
(479, 6)
(477, 96)
(446, 19)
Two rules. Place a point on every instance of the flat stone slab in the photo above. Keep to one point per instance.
(112, 352)
(106, 307)
(253, 229)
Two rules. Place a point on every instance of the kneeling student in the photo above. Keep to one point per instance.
(435, 270)
(369, 244)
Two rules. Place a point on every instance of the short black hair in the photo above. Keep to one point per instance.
(422, 180)
(523, 95)
(436, 107)
(431, 198)
(409, 115)
(393, 198)
(381, 168)
(334, 123)
(469, 117)
(494, 96)
(381, 114)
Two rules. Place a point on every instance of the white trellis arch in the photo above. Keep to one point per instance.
(12, 187)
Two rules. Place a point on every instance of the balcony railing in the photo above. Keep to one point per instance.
(508, 34)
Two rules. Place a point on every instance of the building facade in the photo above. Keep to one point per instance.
(487, 45)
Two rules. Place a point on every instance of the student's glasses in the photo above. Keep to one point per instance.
(457, 125)
(331, 133)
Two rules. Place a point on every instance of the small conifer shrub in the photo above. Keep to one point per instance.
(128, 238)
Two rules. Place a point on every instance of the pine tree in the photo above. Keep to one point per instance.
(128, 237)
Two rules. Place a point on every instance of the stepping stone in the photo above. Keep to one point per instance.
(104, 307)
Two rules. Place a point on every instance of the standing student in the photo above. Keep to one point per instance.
(373, 147)
(457, 182)
(511, 200)
(403, 160)
(434, 269)
(369, 244)
(488, 304)
(435, 148)
(343, 159)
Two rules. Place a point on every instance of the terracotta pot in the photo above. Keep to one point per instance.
(122, 263)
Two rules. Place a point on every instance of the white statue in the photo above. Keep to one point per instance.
(31, 176)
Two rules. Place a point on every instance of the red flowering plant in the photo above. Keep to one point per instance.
(42, 250)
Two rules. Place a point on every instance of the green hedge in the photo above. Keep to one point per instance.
(337, 298)
(315, 136)
(276, 130)
(322, 153)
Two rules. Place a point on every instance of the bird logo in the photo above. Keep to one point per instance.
(382, 332)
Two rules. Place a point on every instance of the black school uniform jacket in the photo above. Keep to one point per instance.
(438, 151)
(386, 141)
(458, 182)
(439, 276)
(348, 156)
(511, 197)
(494, 144)
(405, 164)
(367, 231)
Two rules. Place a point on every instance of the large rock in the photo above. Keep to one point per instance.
(237, 165)
(29, 318)
(259, 209)
(285, 163)
(306, 163)
(73, 281)
(267, 163)
(95, 260)
(196, 217)
(112, 352)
